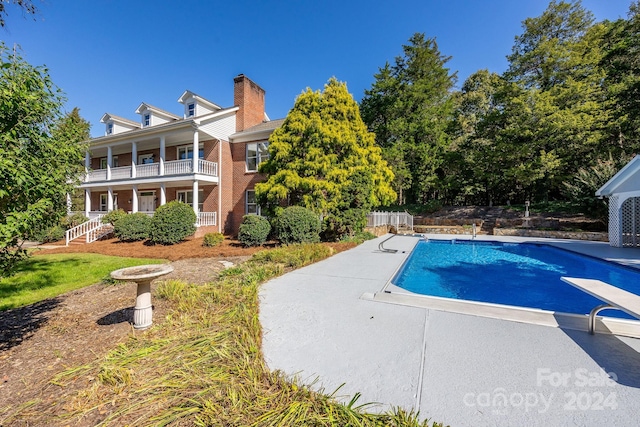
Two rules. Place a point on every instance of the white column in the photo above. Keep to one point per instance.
(68, 204)
(163, 194)
(134, 199)
(195, 196)
(134, 158)
(87, 165)
(109, 162)
(196, 144)
(162, 155)
(87, 202)
(219, 218)
(109, 199)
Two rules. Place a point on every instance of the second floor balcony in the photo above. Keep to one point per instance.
(151, 170)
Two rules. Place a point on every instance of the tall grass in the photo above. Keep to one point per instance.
(202, 366)
(47, 276)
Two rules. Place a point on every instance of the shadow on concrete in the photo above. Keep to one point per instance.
(612, 354)
(124, 315)
(19, 324)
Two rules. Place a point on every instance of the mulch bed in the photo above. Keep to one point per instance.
(43, 339)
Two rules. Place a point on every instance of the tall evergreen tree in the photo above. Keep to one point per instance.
(409, 108)
(323, 158)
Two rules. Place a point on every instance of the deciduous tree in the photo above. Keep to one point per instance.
(41, 153)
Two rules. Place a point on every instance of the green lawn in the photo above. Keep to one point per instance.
(47, 276)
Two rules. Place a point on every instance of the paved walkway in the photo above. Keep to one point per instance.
(458, 369)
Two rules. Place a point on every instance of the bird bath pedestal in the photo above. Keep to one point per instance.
(143, 275)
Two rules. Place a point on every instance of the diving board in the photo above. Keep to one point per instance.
(614, 297)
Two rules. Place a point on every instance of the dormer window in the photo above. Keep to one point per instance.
(146, 120)
(109, 128)
(191, 109)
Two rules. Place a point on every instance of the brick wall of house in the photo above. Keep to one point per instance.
(210, 150)
(242, 181)
(95, 163)
(123, 200)
(227, 183)
(124, 159)
(210, 201)
(250, 98)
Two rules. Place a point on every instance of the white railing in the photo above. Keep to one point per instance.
(174, 167)
(206, 218)
(178, 167)
(121, 172)
(83, 229)
(97, 175)
(207, 168)
(151, 169)
(397, 219)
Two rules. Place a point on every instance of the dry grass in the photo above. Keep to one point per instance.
(202, 365)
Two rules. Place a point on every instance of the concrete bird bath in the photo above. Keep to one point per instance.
(143, 275)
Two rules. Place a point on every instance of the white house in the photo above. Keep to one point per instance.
(623, 192)
(207, 156)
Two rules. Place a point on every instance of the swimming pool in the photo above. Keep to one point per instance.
(515, 274)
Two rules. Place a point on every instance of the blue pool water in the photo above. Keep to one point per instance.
(521, 274)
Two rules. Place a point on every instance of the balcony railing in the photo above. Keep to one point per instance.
(121, 172)
(178, 167)
(174, 167)
(206, 218)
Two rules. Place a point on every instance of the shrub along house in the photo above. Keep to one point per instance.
(208, 158)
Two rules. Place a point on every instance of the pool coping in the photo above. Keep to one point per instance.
(392, 294)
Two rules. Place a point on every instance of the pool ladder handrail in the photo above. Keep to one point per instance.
(383, 249)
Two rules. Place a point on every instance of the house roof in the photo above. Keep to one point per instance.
(202, 101)
(627, 179)
(106, 117)
(267, 125)
(259, 131)
(158, 111)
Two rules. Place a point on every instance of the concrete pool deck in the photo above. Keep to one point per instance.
(458, 369)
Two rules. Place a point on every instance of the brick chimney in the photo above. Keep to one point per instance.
(250, 98)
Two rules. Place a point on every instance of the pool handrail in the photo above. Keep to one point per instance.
(383, 249)
(613, 296)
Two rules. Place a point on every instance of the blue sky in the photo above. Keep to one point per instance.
(111, 55)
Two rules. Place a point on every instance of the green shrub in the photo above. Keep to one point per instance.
(132, 227)
(49, 234)
(297, 225)
(359, 237)
(113, 216)
(172, 223)
(294, 255)
(74, 220)
(254, 230)
(212, 239)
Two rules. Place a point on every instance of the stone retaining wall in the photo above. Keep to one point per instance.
(378, 231)
(553, 234)
(444, 229)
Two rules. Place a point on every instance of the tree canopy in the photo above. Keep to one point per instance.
(41, 152)
(323, 158)
(569, 102)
